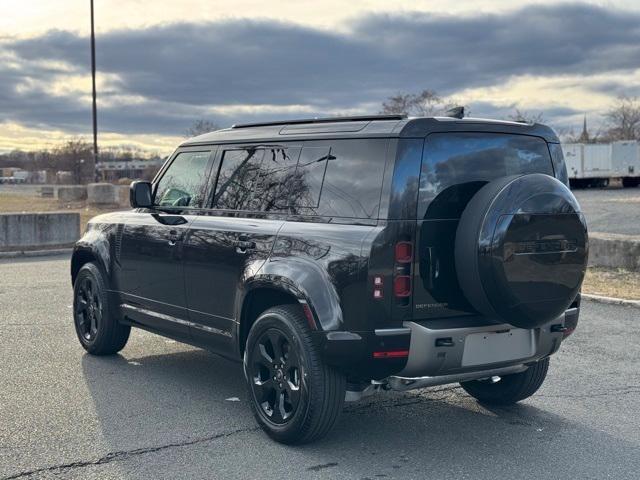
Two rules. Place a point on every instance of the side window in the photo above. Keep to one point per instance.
(184, 183)
(277, 179)
(238, 177)
(341, 179)
(309, 175)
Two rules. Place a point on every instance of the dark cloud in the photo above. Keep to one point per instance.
(181, 67)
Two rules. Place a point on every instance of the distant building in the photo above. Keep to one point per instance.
(134, 169)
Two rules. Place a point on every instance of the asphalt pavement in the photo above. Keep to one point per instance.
(611, 210)
(165, 410)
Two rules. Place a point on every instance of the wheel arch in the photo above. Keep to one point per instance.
(80, 257)
(256, 300)
(281, 285)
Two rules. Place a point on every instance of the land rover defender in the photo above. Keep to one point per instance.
(336, 257)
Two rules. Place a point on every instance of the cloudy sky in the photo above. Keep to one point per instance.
(161, 65)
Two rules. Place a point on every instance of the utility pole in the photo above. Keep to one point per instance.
(93, 81)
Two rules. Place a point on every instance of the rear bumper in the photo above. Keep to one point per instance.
(468, 348)
(437, 348)
(355, 352)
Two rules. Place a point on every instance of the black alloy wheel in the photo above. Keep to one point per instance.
(88, 309)
(99, 330)
(276, 376)
(294, 395)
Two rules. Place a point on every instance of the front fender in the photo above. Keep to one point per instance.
(304, 279)
(94, 245)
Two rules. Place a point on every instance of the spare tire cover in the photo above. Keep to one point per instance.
(521, 249)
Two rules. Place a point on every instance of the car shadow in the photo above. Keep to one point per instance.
(194, 398)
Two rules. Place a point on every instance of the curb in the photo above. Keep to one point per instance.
(35, 253)
(611, 300)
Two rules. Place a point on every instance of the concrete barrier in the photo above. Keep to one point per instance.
(614, 251)
(72, 194)
(123, 194)
(46, 192)
(36, 231)
(102, 194)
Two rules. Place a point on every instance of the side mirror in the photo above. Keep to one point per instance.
(140, 194)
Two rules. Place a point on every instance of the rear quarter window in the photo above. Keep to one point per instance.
(456, 165)
(340, 178)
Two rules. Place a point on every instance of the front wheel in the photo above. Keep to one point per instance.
(294, 396)
(98, 329)
(510, 388)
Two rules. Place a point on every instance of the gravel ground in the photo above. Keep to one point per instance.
(163, 410)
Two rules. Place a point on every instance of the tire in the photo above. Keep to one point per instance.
(97, 328)
(511, 388)
(630, 182)
(282, 364)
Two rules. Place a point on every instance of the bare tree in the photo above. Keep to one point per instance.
(526, 117)
(199, 127)
(623, 119)
(425, 103)
(76, 156)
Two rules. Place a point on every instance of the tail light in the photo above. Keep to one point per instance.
(402, 282)
(402, 286)
(402, 272)
(404, 252)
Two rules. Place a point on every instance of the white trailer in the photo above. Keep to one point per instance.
(573, 159)
(625, 156)
(594, 165)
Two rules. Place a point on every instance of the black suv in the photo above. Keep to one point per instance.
(340, 256)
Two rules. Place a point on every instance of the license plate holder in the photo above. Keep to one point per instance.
(495, 347)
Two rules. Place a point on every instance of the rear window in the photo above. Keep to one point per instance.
(456, 165)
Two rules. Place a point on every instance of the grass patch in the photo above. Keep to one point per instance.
(612, 282)
(18, 203)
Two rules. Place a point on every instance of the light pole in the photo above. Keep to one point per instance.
(93, 81)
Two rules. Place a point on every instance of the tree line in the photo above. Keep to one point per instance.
(621, 120)
(75, 156)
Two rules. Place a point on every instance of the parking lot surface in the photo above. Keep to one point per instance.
(165, 410)
(611, 210)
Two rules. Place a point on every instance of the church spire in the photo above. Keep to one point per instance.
(584, 136)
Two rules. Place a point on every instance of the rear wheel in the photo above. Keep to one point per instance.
(97, 328)
(294, 396)
(630, 182)
(510, 388)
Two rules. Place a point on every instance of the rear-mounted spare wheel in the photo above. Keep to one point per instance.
(521, 249)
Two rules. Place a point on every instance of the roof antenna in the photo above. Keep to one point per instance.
(455, 112)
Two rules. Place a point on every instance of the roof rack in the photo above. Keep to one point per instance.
(362, 118)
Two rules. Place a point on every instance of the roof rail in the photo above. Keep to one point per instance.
(362, 118)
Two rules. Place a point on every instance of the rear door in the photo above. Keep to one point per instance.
(151, 273)
(454, 167)
(234, 237)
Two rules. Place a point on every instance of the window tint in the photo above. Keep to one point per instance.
(239, 172)
(341, 178)
(456, 165)
(310, 175)
(183, 184)
(276, 179)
